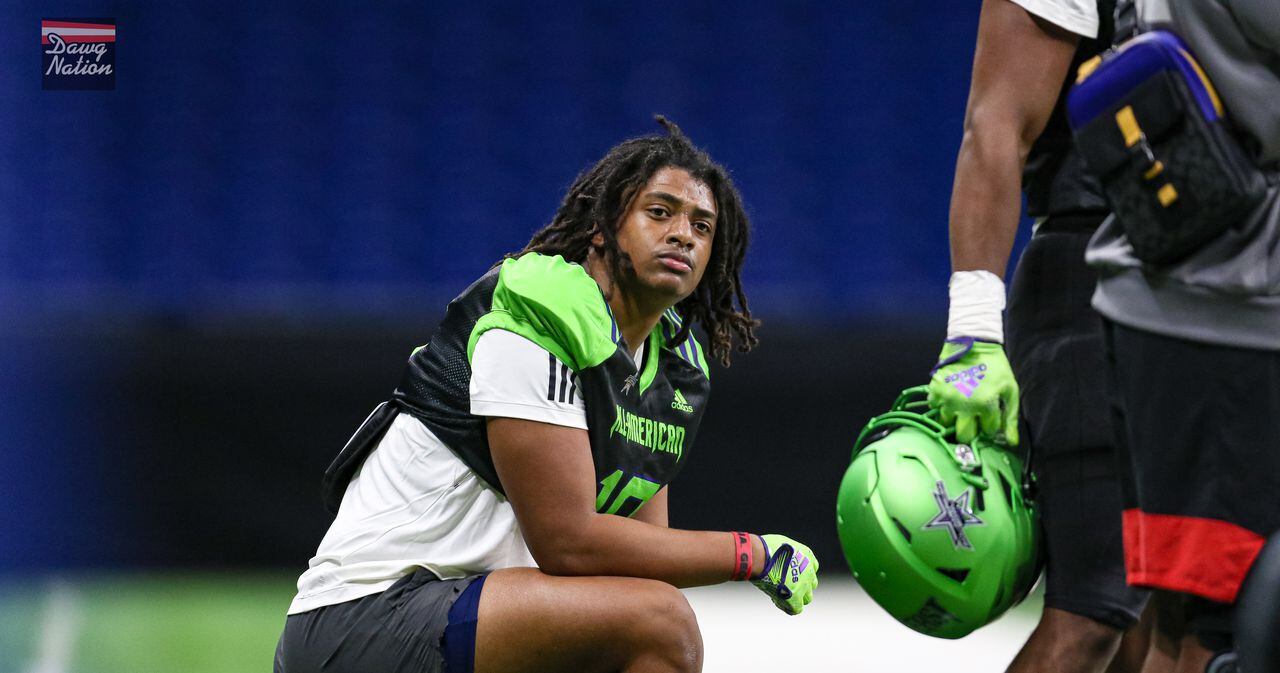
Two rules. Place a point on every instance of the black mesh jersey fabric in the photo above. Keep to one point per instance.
(1054, 178)
(436, 381)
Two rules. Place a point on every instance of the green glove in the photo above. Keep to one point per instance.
(973, 388)
(790, 573)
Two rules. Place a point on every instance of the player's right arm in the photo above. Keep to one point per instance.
(1020, 63)
(549, 320)
(548, 474)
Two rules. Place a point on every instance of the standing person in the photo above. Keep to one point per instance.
(1196, 348)
(1258, 615)
(514, 516)
(1016, 136)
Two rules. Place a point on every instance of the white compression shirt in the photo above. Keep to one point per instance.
(414, 503)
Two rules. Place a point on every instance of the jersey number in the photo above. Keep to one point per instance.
(618, 494)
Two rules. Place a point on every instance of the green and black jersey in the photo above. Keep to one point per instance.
(641, 422)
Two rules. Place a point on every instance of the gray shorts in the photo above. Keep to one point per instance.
(422, 624)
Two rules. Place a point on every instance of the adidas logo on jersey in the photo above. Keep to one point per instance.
(681, 403)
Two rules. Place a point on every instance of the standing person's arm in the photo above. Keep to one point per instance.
(1019, 64)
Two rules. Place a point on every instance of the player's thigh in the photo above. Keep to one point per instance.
(530, 621)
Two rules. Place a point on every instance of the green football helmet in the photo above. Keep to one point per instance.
(942, 535)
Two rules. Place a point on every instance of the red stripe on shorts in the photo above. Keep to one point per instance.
(1188, 554)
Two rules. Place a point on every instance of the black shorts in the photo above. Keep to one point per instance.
(1201, 438)
(1055, 345)
(422, 624)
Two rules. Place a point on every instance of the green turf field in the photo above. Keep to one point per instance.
(228, 623)
(146, 624)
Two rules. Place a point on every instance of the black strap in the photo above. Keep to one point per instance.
(1071, 223)
(339, 473)
(1127, 23)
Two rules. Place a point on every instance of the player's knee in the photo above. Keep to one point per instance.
(666, 627)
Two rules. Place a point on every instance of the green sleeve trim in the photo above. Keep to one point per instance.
(699, 358)
(554, 304)
(653, 353)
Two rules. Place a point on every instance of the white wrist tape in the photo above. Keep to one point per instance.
(977, 306)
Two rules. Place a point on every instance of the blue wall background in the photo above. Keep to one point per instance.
(317, 162)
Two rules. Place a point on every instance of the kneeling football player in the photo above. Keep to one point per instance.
(506, 511)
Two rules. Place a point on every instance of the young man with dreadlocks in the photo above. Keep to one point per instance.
(509, 510)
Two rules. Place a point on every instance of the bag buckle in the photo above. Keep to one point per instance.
(1144, 148)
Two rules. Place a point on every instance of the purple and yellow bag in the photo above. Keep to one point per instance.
(1150, 126)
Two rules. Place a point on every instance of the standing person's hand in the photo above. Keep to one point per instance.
(973, 388)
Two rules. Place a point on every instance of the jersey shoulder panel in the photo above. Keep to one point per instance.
(554, 304)
(688, 350)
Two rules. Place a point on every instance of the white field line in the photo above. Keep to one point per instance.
(58, 628)
(842, 631)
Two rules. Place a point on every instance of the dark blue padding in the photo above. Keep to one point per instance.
(460, 635)
(1134, 63)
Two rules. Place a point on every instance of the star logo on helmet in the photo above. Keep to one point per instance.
(953, 515)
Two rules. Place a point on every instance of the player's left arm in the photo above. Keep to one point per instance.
(654, 512)
(1019, 64)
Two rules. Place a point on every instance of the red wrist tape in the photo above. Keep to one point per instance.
(742, 556)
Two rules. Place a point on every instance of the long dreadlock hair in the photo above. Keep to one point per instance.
(601, 196)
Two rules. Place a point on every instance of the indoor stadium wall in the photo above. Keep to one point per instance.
(209, 275)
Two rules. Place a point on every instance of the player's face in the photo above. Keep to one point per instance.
(668, 231)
